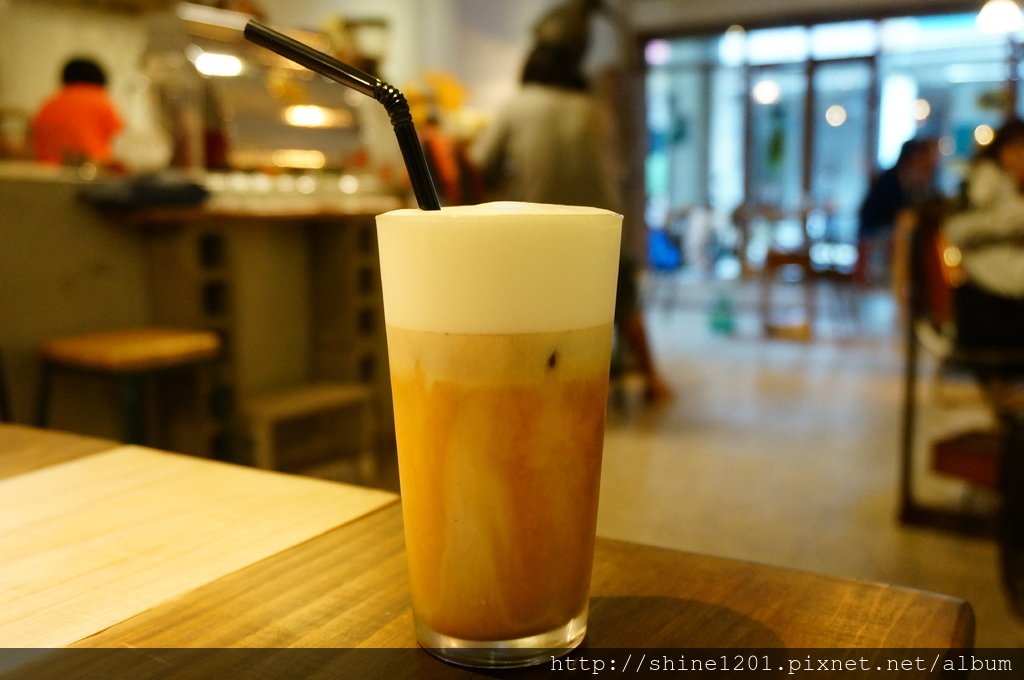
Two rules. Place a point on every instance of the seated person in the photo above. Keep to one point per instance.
(906, 185)
(989, 231)
(79, 122)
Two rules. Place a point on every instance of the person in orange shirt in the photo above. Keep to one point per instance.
(79, 122)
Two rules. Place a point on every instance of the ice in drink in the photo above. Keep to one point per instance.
(499, 336)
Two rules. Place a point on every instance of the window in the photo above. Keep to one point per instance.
(797, 118)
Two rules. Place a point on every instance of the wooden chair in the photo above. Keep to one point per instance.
(131, 357)
(927, 280)
(793, 323)
(798, 322)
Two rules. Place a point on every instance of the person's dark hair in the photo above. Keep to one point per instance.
(1011, 131)
(914, 146)
(556, 66)
(82, 70)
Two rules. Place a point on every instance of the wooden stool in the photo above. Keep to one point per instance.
(131, 356)
(299, 429)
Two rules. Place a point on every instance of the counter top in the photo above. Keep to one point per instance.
(233, 195)
(30, 171)
(126, 547)
(243, 210)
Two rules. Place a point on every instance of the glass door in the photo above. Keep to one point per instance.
(841, 121)
(777, 98)
(776, 145)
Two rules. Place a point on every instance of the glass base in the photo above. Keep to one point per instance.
(525, 651)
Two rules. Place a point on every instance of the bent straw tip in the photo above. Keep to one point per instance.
(391, 98)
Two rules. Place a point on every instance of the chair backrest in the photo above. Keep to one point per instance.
(934, 271)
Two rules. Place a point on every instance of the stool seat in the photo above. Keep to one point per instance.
(134, 357)
(132, 350)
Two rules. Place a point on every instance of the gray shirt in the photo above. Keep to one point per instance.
(548, 145)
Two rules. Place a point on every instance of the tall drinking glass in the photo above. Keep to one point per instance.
(499, 327)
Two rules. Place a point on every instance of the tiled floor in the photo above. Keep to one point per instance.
(785, 452)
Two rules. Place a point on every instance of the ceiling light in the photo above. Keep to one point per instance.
(658, 53)
(308, 115)
(1000, 16)
(766, 91)
(922, 109)
(835, 115)
(217, 64)
(984, 134)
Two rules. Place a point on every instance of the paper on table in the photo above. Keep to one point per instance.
(92, 542)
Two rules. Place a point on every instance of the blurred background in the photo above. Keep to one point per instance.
(781, 401)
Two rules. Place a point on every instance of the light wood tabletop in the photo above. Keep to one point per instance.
(111, 546)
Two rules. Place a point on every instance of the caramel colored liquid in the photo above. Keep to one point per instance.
(499, 447)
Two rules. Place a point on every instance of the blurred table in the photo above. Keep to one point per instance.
(125, 547)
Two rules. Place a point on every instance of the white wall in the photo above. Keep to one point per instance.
(487, 51)
(403, 16)
(481, 42)
(36, 38)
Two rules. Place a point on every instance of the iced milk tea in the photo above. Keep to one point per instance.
(499, 336)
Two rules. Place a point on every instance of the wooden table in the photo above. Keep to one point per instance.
(107, 546)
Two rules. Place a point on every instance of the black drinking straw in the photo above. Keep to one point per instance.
(394, 102)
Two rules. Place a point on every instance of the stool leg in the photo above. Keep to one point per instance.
(263, 444)
(5, 404)
(43, 395)
(764, 298)
(220, 403)
(367, 453)
(131, 390)
(810, 299)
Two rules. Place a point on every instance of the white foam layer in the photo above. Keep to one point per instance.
(499, 267)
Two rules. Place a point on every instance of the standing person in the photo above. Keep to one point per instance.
(989, 232)
(547, 146)
(79, 122)
(908, 184)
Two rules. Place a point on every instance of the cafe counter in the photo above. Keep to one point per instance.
(283, 269)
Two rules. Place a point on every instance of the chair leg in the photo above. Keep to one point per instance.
(810, 297)
(908, 507)
(131, 391)
(1011, 518)
(764, 298)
